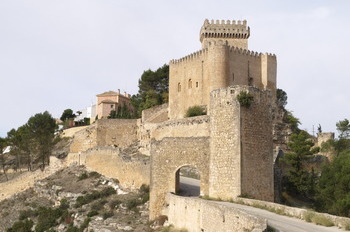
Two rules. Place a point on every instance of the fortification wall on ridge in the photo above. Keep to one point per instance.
(116, 132)
(155, 114)
(196, 215)
(84, 139)
(131, 173)
(167, 157)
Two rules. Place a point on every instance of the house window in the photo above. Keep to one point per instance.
(197, 84)
(190, 83)
(112, 106)
(179, 87)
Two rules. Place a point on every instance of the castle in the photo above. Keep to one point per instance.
(223, 61)
(231, 146)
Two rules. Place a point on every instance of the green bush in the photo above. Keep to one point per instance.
(92, 213)
(47, 218)
(64, 204)
(21, 226)
(83, 200)
(94, 174)
(99, 204)
(318, 219)
(114, 203)
(24, 214)
(245, 99)
(83, 176)
(195, 111)
(85, 224)
(322, 220)
(107, 214)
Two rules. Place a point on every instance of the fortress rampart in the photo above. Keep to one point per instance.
(219, 65)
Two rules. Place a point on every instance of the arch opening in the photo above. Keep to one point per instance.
(187, 181)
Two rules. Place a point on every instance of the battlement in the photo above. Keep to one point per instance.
(247, 52)
(224, 29)
(191, 56)
(212, 44)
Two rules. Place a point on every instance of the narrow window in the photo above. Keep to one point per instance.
(190, 83)
(179, 87)
(197, 84)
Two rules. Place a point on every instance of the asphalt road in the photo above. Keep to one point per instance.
(190, 187)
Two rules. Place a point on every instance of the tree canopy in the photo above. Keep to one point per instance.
(153, 89)
(67, 114)
(343, 127)
(281, 98)
(299, 180)
(334, 186)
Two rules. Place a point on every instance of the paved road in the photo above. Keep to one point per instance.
(281, 223)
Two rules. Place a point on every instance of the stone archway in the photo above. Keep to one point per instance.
(168, 156)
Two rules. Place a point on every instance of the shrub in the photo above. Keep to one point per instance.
(83, 176)
(195, 111)
(99, 204)
(21, 226)
(322, 220)
(83, 200)
(107, 192)
(107, 214)
(92, 213)
(24, 214)
(47, 218)
(318, 219)
(114, 203)
(144, 193)
(64, 204)
(85, 224)
(133, 203)
(72, 228)
(245, 99)
(94, 174)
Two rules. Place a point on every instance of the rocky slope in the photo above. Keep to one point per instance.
(74, 199)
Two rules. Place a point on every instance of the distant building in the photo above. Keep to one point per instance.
(111, 100)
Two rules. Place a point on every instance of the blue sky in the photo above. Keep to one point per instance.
(58, 54)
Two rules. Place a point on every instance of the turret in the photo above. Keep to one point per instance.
(234, 33)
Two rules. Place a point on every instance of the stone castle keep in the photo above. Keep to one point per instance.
(231, 146)
(223, 61)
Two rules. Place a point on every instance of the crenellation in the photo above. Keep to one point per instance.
(196, 55)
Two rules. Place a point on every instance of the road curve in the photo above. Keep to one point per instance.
(279, 222)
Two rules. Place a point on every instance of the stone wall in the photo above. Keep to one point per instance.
(155, 114)
(324, 137)
(116, 132)
(198, 215)
(167, 157)
(241, 158)
(185, 127)
(84, 139)
(257, 147)
(132, 172)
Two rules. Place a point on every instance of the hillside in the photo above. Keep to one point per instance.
(74, 199)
